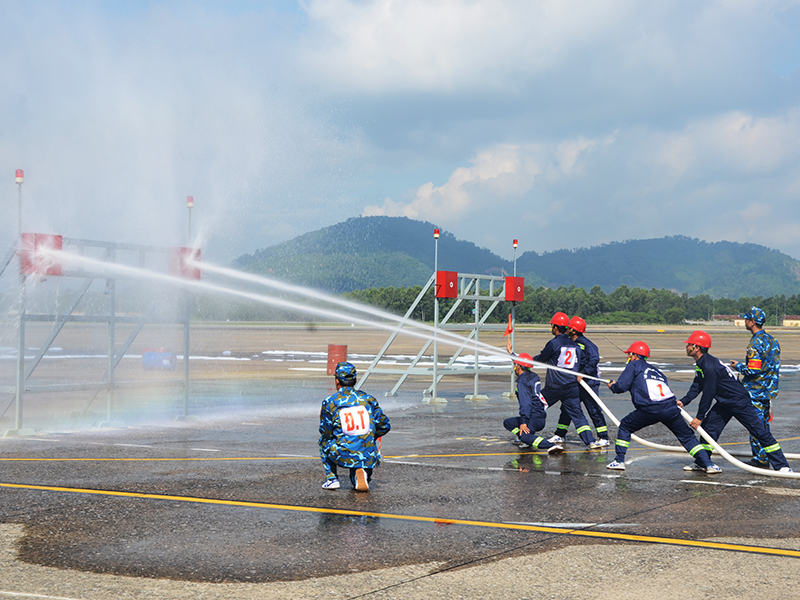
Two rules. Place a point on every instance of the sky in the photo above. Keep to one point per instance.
(561, 123)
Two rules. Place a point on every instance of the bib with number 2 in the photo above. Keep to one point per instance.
(568, 357)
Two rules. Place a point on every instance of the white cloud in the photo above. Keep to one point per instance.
(732, 176)
(496, 175)
(738, 142)
(448, 46)
(500, 176)
(575, 122)
(386, 45)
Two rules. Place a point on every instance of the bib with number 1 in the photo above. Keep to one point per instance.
(657, 389)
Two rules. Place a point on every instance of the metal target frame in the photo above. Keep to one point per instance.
(112, 317)
(460, 287)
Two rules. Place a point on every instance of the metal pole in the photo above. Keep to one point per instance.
(21, 332)
(20, 351)
(111, 290)
(513, 312)
(477, 336)
(186, 320)
(514, 322)
(186, 355)
(435, 317)
(190, 206)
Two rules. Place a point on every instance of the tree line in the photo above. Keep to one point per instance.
(622, 306)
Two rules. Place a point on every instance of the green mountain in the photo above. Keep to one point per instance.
(686, 265)
(365, 252)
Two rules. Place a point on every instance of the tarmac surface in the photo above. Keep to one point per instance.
(229, 505)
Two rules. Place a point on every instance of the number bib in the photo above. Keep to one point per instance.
(730, 371)
(658, 390)
(568, 357)
(657, 387)
(355, 420)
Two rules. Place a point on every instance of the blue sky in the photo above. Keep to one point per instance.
(561, 123)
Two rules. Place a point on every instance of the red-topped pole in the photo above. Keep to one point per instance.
(190, 206)
(19, 178)
(513, 320)
(435, 317)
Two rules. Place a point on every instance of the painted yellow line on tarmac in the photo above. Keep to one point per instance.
(220, 458)
(141, 459)
(437, 521)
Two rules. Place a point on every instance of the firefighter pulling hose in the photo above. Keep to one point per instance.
(654, 402)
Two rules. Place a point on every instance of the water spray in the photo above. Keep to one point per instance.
(488, 349)
(50, 254)
(317, 295)
(454, 339)
(105, 268)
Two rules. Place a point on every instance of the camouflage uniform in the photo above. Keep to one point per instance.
(760, 374)
(349, 424)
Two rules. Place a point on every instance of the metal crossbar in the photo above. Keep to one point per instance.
(471, 288)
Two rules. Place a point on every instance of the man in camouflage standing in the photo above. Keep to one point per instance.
(760, 374)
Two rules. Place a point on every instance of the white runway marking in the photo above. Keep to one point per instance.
(24, 595)
(781, 491)
(714, 483)
(133, 445)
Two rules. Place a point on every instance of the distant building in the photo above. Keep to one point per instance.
(791, 320)
(724, 317)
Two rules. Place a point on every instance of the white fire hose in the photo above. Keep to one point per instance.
(717, 448)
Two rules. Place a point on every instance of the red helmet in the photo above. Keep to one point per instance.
(699, 338)
(524, 356)
(577, 324)
(560, 319)
(639, 348)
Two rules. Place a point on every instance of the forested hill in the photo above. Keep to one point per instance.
(719, 269)
(367, 252)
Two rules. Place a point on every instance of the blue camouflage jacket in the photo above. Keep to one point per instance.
(350, 422)
(761, 371)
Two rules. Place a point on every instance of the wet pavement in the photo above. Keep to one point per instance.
(236, 496)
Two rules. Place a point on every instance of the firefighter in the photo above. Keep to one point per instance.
(532, 407)
(562, 352)
(716, 380)
(576, 328)
(654, 402)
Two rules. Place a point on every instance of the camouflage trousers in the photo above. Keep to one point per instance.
(762, 410)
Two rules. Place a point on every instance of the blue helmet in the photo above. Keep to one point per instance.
(756, 314)
(346, 373)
